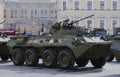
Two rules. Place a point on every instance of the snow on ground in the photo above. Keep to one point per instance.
(4, 39)
(93, 39)
(7, 69)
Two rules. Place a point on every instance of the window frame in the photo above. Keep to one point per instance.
(13, 13)
(104, 23)
(90, 19)
(44, 13)
(112, 5)
(24, 13)
(100, 4)
(87, 4)
(5, 13)
(112, 22)
(74, 5)
(63, 4)
(34, 13)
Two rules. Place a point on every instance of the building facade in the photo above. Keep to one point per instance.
(29, 15)
(32, 14)
(107, 13)
(1, 14)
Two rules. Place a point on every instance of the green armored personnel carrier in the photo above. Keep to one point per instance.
(64, 45)
(4, 52)
(115, 49)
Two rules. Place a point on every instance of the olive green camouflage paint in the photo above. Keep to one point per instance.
(3, 49)
(61, 37)
(115, 47)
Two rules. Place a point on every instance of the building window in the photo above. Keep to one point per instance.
(89, 24)
(76, 5)
(44, 14)
(24, 14)
(34, 14)
(102, 23)
(14, 14)
(64, 5)
(114, 5)
(11, 13)
(4, 13)
(89, 5)
(53, 13)
(114, 23)
(102, 5)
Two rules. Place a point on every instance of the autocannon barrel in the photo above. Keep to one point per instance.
(82, 19)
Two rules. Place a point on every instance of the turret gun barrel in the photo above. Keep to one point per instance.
(81, 19)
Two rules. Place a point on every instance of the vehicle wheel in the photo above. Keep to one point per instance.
(5, 57)
(49, 58)
(66, 59)
(18, 56)
(31, 57)
(98, 63)
(110, 58)
(82, 62)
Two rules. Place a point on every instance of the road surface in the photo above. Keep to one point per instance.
(7, 69)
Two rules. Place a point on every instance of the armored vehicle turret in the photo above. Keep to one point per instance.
(64, 45)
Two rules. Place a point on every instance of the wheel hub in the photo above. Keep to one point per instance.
(48, 58)
(16, 57)
(64, 59)
(29, 58)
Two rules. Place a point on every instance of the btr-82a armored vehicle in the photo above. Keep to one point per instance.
(115, 49)
(64, 45)
(115, 46)
(4, 52)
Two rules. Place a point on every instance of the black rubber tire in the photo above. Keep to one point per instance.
(4, 57)
(10, 57)
(82, 62)
(31, 57)
(98, 63)
(49, 58)
(66, 59)
(110, 58)
(18, 57)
